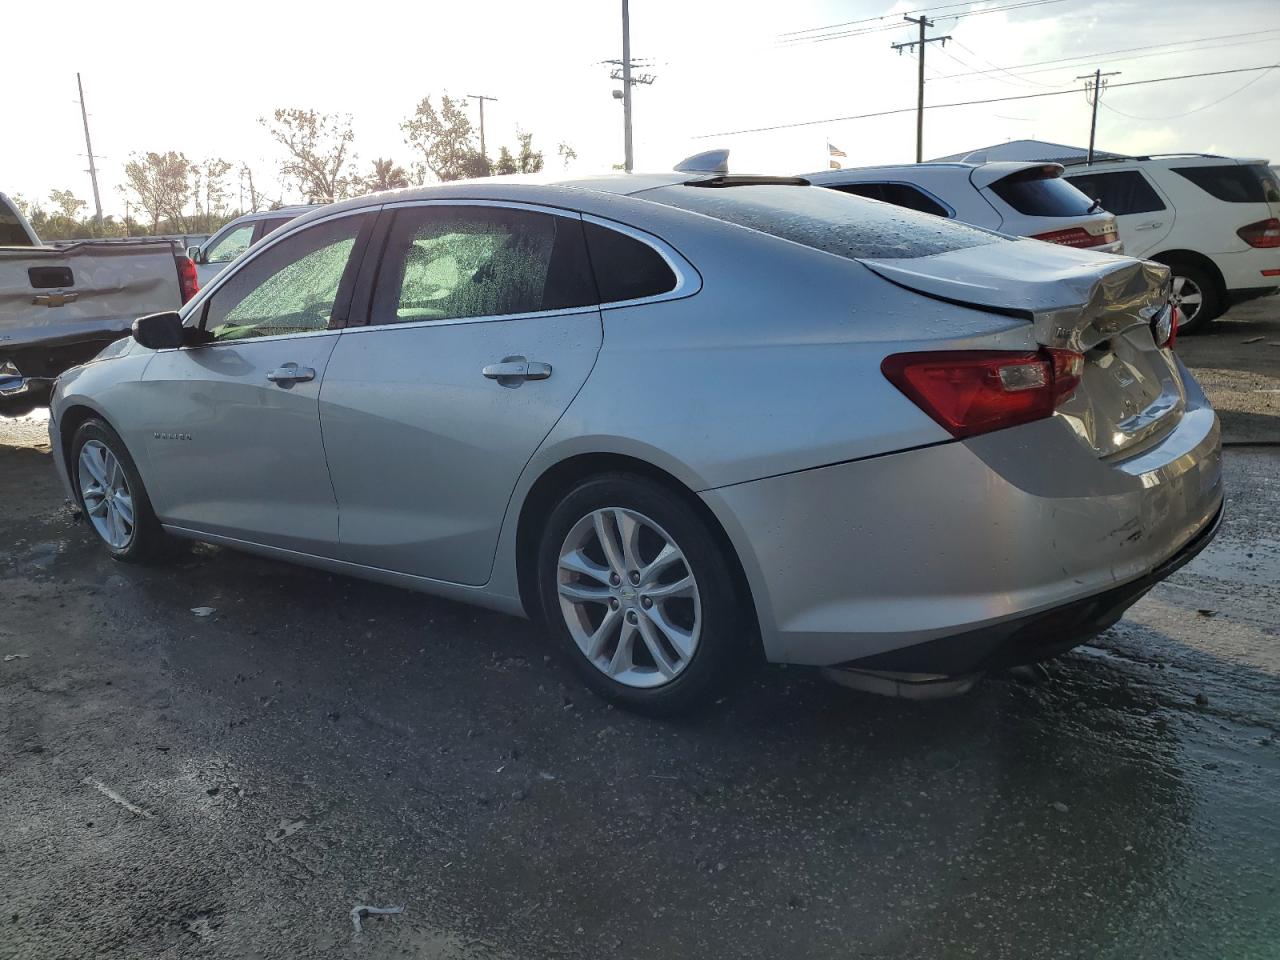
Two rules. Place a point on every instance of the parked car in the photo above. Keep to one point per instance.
(60, 305)
(1214, 221)
(1024, 199)
(238, 236)
(682, 421)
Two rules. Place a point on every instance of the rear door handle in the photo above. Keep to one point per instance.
(1150, 226)
(513, 371)
(290, 373)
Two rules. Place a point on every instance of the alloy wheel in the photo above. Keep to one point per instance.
(1188, 297)
(629, 597)
(105, 492)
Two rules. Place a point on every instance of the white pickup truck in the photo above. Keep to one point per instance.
(60, 305)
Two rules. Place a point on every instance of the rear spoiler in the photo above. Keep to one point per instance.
(989, 173)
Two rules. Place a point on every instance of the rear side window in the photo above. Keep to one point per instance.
(1123, 192)
(899, 194)
(1032, 193)
(1234, 183)
(827, 220)
(269, 225)
(626, 268)
(452, 262)
(11, 232)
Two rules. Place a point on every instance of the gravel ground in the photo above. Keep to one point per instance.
(233, 785)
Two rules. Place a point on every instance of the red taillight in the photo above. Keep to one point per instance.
(1076, 237)
(1170, 337)
(188, 279)
(1264, 233)
(976, 391)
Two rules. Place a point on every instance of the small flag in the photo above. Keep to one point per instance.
(835, 151)
(834, 164)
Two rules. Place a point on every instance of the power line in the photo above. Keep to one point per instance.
(1187, 113)
(886, 16)
(1003, 70)
(970, 103)
(799, 41)
(1093, 57)
(1094, 84)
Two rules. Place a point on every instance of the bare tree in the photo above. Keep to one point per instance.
(216, 193)
(445, 139)
(320, 161)
(160, 184)
(567, 153)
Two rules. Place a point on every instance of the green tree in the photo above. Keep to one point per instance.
(68, 204)
(320, 161)
(160, 184)
(387, 175)
(528, 160)
(506, 163)
(445, 141)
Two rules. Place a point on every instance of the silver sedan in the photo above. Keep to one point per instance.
(686, 423)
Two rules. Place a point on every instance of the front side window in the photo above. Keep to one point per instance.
(1120, 193)
(291, 287)
(451, 262)
(231, 245)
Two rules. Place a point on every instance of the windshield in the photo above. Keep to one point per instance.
(1034, 194)
(827, 220)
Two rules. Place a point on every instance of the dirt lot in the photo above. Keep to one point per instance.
(233, 785)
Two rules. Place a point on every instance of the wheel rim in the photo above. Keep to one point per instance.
(629, 597)
(105, 493)
(1188, 297)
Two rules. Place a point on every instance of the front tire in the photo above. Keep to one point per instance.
(638, 591)
(110, 492)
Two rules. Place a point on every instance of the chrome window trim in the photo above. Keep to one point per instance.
(215, 344)
(455, 321)
(197, 302)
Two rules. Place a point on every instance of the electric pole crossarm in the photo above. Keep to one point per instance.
(1093, 87)
(923, 22)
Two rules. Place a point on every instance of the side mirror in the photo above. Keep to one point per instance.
(194, 253)
(159, 331)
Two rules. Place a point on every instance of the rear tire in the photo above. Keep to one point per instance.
(1196, 291)
(110, 492)
(653, 621)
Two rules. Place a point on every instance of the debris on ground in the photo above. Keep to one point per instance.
(16, 656)
(1253, 340)
(1204, 612)
(203, 611)
(114, 797)
(1201, 700)
(360, 912)
(1060, 806)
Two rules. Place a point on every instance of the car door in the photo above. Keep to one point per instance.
(222, 249)
(483, 326)
(232, 426)
(1143, 214)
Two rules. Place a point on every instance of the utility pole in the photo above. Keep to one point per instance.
(628, 159)
(482, 97)
(923, 23)
(88, 145)
(1093, 87)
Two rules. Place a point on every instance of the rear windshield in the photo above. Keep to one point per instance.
(11, 232)
(827, 220)
(1236, 182)
(1033, 193)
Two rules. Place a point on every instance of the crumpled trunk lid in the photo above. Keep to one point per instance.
(1131, 391)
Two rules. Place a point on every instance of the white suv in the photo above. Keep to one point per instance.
(1215, 221)
(1021, 198)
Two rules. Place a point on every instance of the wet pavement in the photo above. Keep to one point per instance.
(233, 785)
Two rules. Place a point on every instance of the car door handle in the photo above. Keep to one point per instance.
(1150, 226)
(514, 370)
(291, 373)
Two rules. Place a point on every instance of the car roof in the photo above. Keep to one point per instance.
(981, 174)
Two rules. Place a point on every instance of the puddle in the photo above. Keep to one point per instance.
(1253, 561)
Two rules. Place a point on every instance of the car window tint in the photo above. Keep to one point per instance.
(274, 223)
(626, 268)
(1234, 183)
(452, 262)
(1122, 192)
(231, 245)
(291, 287)
(1032, 193)
(899, 194)
(11, 232)
(827, 220)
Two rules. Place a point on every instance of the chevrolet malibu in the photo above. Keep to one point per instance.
(685, 423)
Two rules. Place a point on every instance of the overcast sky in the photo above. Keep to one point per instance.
(192, 77)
